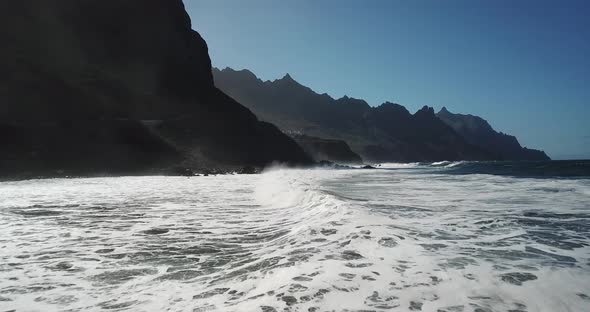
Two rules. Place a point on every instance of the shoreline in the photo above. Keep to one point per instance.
(174, 172)
(180, 171)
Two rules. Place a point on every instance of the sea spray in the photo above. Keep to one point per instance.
(396, 239)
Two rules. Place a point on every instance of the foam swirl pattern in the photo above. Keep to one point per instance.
(296, 240)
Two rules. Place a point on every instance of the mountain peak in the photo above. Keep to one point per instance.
(444, 110)
(426, 111)
(288, 81)
(243, 74)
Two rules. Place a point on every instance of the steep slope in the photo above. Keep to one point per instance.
(418, 137)
(478, 131)
(385, 133)
(87, 73)
(330, 150)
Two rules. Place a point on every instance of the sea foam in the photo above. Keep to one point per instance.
(301, 240)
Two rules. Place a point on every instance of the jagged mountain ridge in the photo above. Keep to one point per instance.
(478, 131)
(94, 86)
(388, 132)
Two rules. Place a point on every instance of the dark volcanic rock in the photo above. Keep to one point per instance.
(248, 170)
(378, 134)
(329, 164)
(327, 150)
(76, 147)
(478, 131)
(93, 86)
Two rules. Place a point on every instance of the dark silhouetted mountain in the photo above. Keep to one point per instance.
(94, 86)
(478, 131)
(327, 150)
(384, 133)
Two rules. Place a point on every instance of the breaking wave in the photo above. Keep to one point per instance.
(540, 169)
(413, 238)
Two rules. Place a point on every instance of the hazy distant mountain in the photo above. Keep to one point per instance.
(326, 149)
(384, 133)
(100, 86)
(478, 131)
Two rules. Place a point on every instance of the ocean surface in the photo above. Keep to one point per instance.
(404, 237)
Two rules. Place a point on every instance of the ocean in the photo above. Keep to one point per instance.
(462, 236)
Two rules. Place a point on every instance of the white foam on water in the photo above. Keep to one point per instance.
(398, 165)
(447, 164)
(342, 240)
(455, 164)
(441, 163)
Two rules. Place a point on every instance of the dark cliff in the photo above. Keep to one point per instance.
(478, 131)
(328, 150)
(417, 137)
(93, 86)
(385, 133)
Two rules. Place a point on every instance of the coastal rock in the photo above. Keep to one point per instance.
(95, 87)
(327, 150)
(248, 170)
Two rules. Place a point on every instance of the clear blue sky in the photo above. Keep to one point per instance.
(522, 65)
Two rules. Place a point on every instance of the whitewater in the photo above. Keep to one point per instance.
(404, 237)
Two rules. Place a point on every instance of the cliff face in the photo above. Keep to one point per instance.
(100, 59)
(331, 150)
(84, 64)
(417, 137)
(385, 133)
(478, 132)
